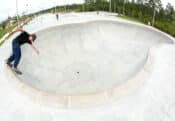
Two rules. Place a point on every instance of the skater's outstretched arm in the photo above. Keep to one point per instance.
(35, 49)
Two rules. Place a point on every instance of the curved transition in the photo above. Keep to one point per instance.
(87, 57)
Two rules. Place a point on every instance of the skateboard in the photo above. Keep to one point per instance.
(13, 70)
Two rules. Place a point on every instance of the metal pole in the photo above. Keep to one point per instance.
(110, 6)
(103, 5)
(123, 7)
(115, 6)
(55, 8)
(154, 13)
(82, 6)
(17, 13)
(65, 6)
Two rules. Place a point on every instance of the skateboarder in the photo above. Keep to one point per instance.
(57, 16)
(22, 38)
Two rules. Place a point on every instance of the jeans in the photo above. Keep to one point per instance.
(16, 54)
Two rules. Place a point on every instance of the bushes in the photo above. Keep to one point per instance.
(168, 27)
(4, 31)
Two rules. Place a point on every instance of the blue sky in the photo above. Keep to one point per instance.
(8, 7)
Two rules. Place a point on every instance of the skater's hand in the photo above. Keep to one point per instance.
(35, 49)
(37, 52)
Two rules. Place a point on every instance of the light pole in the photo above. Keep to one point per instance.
(65, 6)
(55, 7)
(154, 12)
(83, 6)
(17, 13)
(123, 7)
(110, 6)
(115, 6)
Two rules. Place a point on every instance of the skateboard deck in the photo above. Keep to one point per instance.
(14, 71)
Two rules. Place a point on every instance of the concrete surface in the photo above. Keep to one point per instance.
(88, 57)
(147, 94)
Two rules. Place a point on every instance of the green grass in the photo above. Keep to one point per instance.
(4, 31)
(1, 42)
(129, 18)
(168, 27)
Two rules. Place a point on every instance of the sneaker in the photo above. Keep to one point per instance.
(17, 71)
(8, 63)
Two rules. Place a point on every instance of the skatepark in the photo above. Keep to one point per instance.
(90, 67)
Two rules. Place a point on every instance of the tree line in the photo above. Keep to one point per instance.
(146, 11)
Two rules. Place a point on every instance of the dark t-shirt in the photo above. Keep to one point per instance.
(22, 38)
